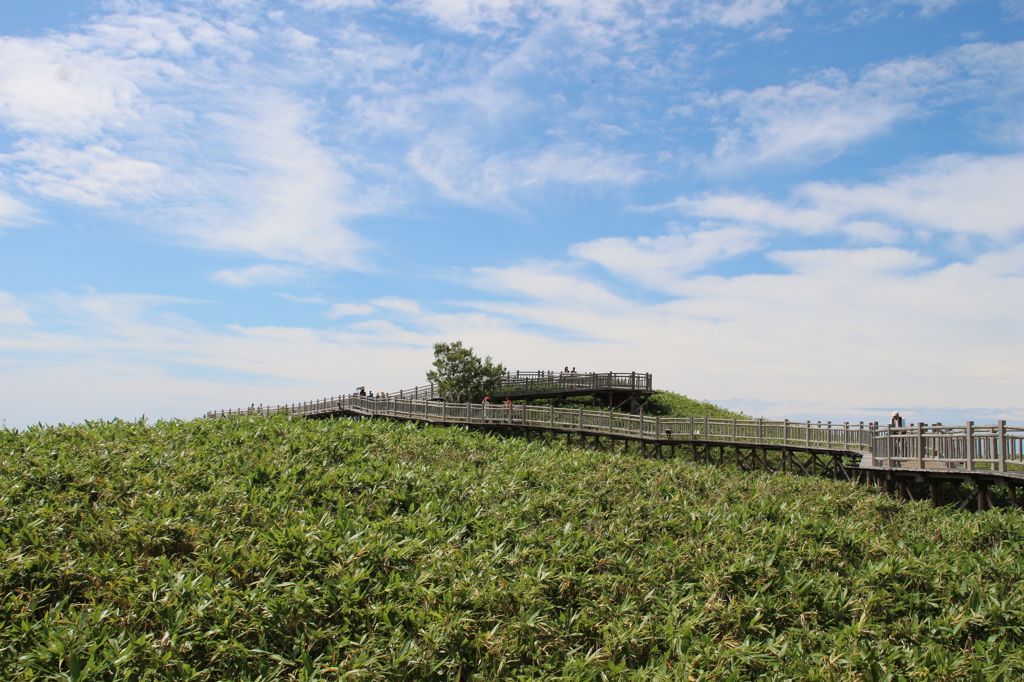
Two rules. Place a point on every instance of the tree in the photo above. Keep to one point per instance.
(461, 376)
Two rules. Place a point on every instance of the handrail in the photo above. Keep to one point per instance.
(991, 448)
(968, 448)
(853, 438)
(548, 382)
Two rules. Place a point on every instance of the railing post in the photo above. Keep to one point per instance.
(657, 425)
(551, 417)
(828, 435)
(807, 433)
(920, 445)
(785, 432)
(1001, 443)
(969, 445)
(759, 420)
(872, 443)
(579, 425)
(890, 445)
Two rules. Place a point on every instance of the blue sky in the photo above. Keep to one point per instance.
(798, 209)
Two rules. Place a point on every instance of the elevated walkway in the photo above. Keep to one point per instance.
(609, 389)
(917, 462)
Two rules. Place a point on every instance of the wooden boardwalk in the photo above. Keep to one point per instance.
(614, 388)
(910, 462)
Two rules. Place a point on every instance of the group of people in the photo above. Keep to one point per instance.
(370, 396)
(488, 405)
(568, 372)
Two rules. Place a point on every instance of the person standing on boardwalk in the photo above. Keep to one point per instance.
(486, 403)
(508, 410)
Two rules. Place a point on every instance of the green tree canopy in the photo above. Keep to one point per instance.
(461, 376)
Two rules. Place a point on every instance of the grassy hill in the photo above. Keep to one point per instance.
(669, 404)
(263, 549)
(664, 403)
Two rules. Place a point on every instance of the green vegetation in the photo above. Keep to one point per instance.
(664, 403)
(279, 548)
(669, 404)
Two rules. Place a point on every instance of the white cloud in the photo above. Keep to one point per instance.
(65, 87)
(930, 8)
(838, 328)
(335, 4)
(594, 22)
(118, 355)
(345, 309)
(464, 174)
(92, 176)
(295, 199)
(298, 40)
(12, 312)
(955, 193)
(658, 262)
(740, 13)
(547, 282)
(262, 273)
(110, 117)
(818, 118)
(468, 16)
(12, 211)
(397, 303)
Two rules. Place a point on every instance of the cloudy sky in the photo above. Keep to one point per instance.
(795, 208)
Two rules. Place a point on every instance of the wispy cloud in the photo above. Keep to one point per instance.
(94, 175)
(659, 262)
(464, 174)
(819, 117)
(346, 309)
(13, 212)
(262, 273)
(740, 13)
(293, 204)
(955, 193)
(11, 311)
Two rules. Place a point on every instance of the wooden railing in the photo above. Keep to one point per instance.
(854, 438)
(968, 447)
(997, 448)
(547, 382)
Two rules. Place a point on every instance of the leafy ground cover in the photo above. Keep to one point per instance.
(663, 403)
(278, 548)
(669, 404)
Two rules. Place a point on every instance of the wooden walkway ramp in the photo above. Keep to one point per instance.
(917, 462)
